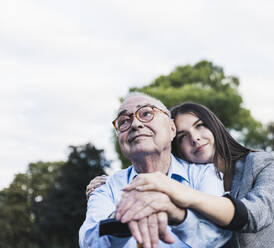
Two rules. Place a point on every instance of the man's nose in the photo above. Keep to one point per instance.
(136, 123)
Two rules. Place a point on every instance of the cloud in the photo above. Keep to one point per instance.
(64, 65)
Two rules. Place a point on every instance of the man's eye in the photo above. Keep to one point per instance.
(123, 121)
(147, 113)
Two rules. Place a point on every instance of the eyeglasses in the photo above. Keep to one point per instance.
(144, 114)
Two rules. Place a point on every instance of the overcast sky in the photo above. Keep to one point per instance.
(64, 64)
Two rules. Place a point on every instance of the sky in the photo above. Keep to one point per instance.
(65, 64)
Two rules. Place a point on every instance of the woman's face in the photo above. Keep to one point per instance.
(195, 141)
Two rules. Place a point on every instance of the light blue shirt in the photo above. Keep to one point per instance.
(194, 231)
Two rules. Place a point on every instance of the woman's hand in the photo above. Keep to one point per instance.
(156, 181)
(180, 194)
(95, 183)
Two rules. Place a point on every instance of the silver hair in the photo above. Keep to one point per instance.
(158, 102)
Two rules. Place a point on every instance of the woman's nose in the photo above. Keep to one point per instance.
(195, 137)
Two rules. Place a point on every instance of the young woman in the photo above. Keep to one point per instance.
(248, 207)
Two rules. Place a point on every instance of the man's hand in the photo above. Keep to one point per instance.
(136, 205)
(148, 230)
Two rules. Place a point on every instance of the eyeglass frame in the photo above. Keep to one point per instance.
(135, 115)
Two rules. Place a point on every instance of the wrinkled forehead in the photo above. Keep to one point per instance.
(131, 104)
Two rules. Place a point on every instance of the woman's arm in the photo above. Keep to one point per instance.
(219, 210)
(256, 190)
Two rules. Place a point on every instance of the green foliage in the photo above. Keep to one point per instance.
(44, 207)
(207, 84)
(63, 210)
(18, 217)
(270, 135)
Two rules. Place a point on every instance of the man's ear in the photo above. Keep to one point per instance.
(173, 129)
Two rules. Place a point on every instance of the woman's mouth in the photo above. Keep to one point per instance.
(199, 148)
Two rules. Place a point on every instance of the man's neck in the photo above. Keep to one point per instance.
(148, 163)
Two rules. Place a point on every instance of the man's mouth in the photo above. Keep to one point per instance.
(137, 136)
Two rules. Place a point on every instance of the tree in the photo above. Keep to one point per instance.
(270, 135)
(44, 207)
(207, 84)
(63, 210)
(18, 214)
(15, 215)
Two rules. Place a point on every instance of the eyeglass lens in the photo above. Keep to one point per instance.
(144, 114)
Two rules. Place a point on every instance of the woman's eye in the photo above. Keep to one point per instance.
(200, 125)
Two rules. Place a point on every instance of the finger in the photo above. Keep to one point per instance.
(97, 179)
(137, 208)
(142, 201)
(146, 187)
(103, 180)
(136, 182)
(134, 229)
(143, 227)
(164, 235)
(158, 202)
(98, 185)
(153, 230)
(91, 188)
(127, 200)
(145, 211)
(141, 179)
(88, 193)
(94, 179)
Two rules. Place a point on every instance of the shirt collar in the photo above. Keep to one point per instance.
(178, 170)
(132, 173)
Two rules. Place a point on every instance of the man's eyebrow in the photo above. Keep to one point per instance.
(138, 106)
(121, 112)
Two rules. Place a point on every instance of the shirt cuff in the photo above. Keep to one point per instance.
(240, 217)
(187, 226)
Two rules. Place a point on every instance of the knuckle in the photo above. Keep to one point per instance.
(152, 225)
(162, 217)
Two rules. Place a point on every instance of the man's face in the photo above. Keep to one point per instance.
(145, 138)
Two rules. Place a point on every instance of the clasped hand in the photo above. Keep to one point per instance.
(148, 212)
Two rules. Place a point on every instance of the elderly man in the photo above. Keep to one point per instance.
(145, 132)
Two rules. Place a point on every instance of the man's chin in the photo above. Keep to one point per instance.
(141, 151)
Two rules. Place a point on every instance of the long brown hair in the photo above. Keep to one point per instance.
(226, 147)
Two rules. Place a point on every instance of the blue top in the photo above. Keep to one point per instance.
(194, 231)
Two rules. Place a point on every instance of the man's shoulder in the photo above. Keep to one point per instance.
(196, 168)
(120, 175)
